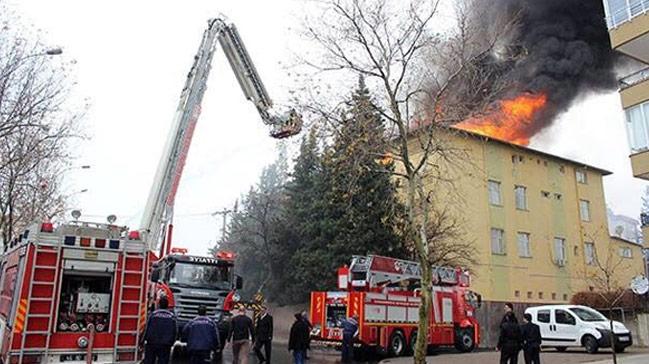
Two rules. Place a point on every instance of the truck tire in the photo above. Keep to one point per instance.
(397, 344)
(464, 340)
(590, 343)
(413, 342)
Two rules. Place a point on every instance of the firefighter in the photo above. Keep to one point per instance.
(350, 330)
(509, 341)
(241, 332)
(531, 340)
(298, 339)
(160, 334)
(264, 336)
(202, 337)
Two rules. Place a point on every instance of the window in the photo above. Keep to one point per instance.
(517, 294)
(540, 295)
(497, 241)
(543, 316)
(589, 253)
(560, 251)
(581, 176)
(584, 210)
(524, 245)
(626, 252)
(545, 194)
(521, 197)
(529, 295)
(494, 193)
(637, 127)
(565, 296)
(554, 296)
(564, 317)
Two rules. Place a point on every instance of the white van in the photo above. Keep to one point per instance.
(564, 326)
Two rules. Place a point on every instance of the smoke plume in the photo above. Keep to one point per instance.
(563, 51)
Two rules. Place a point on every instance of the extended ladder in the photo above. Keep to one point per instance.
(39, 308)
(131, 310)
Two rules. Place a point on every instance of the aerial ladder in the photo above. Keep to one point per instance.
(157, 220)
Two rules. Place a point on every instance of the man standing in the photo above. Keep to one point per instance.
(305, 317)
(160, 334)
(241, 332)
(264, 336)
(299, 339)
(350, 330)
(202, 337)
(531, 335)
(509, 341)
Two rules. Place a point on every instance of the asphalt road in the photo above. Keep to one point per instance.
(281, 355)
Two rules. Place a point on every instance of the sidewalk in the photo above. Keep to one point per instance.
(633, 356)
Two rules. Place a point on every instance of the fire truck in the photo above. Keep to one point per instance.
(385, 295)
(79, 292)
(75, 293)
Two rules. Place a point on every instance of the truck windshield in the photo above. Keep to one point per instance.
(200, 276)
(588, 315)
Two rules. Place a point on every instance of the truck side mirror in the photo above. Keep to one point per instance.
(238, 282)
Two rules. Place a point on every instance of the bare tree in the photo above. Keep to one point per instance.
(426, 72)
(35, 128)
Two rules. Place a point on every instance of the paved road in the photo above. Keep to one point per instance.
(573, 356)
(282, 356)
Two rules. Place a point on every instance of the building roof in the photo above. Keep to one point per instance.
(476, 135)
(626, 241)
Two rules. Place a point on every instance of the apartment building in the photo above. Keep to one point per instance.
(538, 221)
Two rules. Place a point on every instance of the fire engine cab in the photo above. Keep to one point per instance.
(385, 295)
(74, 293)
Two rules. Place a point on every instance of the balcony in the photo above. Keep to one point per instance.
(634, 78)
(628, 23)
(634, 88)
(640, 164)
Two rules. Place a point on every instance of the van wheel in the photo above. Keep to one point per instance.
(561, 349)
(397, 344)
(464, 342)
(590, 343)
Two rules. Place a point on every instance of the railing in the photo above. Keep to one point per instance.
(634, 78)
(644, 219)
(627, 12)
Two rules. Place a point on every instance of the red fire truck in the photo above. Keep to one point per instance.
(75, 293)
(385, 295)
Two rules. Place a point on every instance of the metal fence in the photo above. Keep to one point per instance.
(628, 10)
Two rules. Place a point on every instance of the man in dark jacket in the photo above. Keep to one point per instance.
(350, 330)
(202, 337)
(241, 332)
(160, 334)
(298, 340)
(264, 336)
(509, 341)
(531, 335)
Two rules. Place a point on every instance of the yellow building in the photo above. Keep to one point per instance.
(628, 23)
(538, 221)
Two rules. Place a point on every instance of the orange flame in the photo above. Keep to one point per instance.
(508, 122)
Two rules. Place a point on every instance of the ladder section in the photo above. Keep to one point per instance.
(131, 307)
(39, 307)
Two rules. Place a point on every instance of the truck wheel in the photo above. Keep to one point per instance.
(397, 344)
(464, 340)
(413, 342)
(590, 343)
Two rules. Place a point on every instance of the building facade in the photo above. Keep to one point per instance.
(628, 25)
(538, 221)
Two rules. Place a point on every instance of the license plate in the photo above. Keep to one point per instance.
(623, 338)
(76, 357)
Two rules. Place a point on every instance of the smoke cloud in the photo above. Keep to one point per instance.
(563, 51)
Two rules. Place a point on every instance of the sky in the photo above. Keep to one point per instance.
(130, 62)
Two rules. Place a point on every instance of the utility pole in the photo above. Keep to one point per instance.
(225, 212)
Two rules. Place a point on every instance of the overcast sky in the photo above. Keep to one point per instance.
(131, 59)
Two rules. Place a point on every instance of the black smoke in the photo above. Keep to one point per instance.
(563, 51)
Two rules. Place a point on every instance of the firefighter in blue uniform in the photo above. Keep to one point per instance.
(160, 334)
(202, 336)
(350, 330)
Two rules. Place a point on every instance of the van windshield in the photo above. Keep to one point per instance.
(588, 315)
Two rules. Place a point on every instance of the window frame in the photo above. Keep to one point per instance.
(521, 205)
(543, 312)
(561, 247)
(580, 172)
(589, 253)
(498, 191)
(625, 249)
(568, 314)
(528, 245)
(584, 217)
(502, 244)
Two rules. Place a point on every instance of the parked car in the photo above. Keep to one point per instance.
(564, 326)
